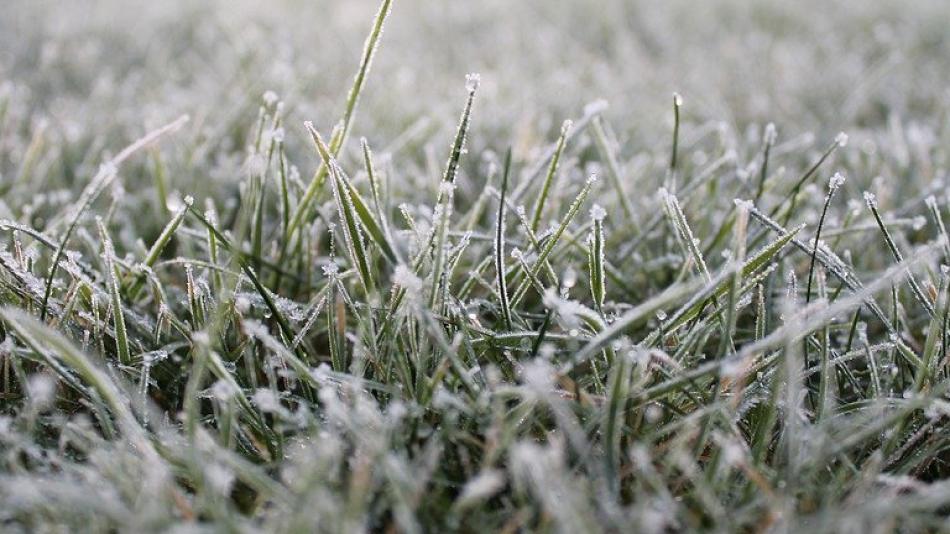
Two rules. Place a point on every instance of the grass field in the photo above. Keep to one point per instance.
(293, 266)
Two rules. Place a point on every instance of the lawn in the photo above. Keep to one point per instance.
(500, 266)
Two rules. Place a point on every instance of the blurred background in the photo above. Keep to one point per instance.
(813, 65)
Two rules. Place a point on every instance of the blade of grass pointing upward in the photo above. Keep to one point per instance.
(346, 206)
(443, 202)
(671, 173)
(338, 141)
(112, 279)
(613, 168)
(834, 183)
(500, 245)
(554, 238)
(871, 202)
(155, 251)
(549, 178)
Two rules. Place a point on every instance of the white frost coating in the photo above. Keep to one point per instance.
(538, 375)
(483, 486)
(870, 199)
(219, 478)
(266, 400)
(270, 97)
(836, 181)
(677, 100)
(223, 390)
(566, 126)
(42, 389)
(592, 179)
(770, 134)
(447, 188)
(472, 81)
(242, 305)
(201, 338)
(255, 165)
(406, 279)
(331, 269)
(598, 213)
(741, 204)
(595, 107)
(841, 139)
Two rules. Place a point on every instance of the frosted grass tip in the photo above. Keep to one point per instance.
(841, 139)
(472, 81)
(836, 181)
(597, 212)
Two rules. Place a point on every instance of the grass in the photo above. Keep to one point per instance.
(243, 322)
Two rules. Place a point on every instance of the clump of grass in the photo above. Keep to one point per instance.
(379, 348)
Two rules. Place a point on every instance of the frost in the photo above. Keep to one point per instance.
(270, 98)
(483, 486)
(841, 139)
(566, 127)
(447, 188)
(745, 205)
(330, 269)
(472, 81)
(595, 107)
(201, 338)
(267, 401)
(219, 478)
(836, 181)
(42, 389)
(538, 375)
(406, 279)
(598, 213)
(870, 199)
(223, 390)
(677, 100)
(242, 304)
(770, 134)
(255, 165)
